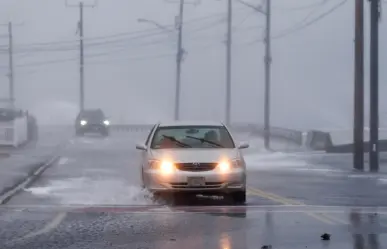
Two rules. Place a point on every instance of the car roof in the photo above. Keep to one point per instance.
(190, 123)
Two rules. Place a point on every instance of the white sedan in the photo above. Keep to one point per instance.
(193, 157)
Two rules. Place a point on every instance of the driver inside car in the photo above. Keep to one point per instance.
(211, 136)
(166, 143)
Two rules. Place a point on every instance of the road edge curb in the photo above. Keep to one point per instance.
(25, 182)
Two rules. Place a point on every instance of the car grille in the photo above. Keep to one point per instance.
(195, 167)
(209, 185)
(95, 126)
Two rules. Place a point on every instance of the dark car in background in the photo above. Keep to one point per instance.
(92, 121)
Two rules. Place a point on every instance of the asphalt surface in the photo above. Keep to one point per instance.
(91, 199)
(20, 163)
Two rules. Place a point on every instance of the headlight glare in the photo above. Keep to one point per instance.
(165, 167)
(224, 166)
(106, 122)
(83, 122)
(228, 165)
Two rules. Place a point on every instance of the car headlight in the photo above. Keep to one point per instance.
(165, 167)
(224, 166)
(83, 122)
(106, 122)
(228, 165)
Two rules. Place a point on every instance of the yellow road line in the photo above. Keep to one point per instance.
(276, 198)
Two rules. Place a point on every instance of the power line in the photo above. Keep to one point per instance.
(314, 10)
(125, 35)
(304, 7)
(75, 58)
(244, 19)
(288, 32)
(73, 47)
(313, 21)
(299, 27)
(285, 33)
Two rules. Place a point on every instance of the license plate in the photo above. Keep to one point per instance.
(196, 181)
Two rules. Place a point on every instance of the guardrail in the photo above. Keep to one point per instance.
(288, 135)
(340, 141)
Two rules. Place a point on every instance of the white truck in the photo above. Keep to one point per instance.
(17, 127)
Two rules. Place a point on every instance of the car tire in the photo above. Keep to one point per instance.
(239, 197)
(177, 199)
(157, 197)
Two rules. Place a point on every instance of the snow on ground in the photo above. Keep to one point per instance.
(86, 191)
(263, 160)
(94, 171)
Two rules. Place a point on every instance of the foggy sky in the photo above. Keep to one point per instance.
(312, 69)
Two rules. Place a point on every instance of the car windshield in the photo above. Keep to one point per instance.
(93, 115)
(192, 137)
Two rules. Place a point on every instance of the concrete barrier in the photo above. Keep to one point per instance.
(340, 140)
(318, 140)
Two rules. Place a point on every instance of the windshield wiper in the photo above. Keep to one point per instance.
(177, 141)
(206, 141)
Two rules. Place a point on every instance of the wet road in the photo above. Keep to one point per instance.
(288, 205)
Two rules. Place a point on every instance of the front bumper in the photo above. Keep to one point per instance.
(215, 181)
(93, 128)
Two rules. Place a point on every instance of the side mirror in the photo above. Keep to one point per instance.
(243, 145)
(141, 146)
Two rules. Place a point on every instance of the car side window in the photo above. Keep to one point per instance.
(149, 135)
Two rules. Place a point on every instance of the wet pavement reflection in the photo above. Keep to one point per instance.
(365, 230)
(226, 227)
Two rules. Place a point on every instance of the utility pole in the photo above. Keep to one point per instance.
(228, 63)
(374, 85)
(179, 57)
(11, 71)
(358, 124)
(268, 60)
(267, 75)
(81, 6)
(81, 61)
(180, 52)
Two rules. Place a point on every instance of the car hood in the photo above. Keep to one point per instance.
(194, 155)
